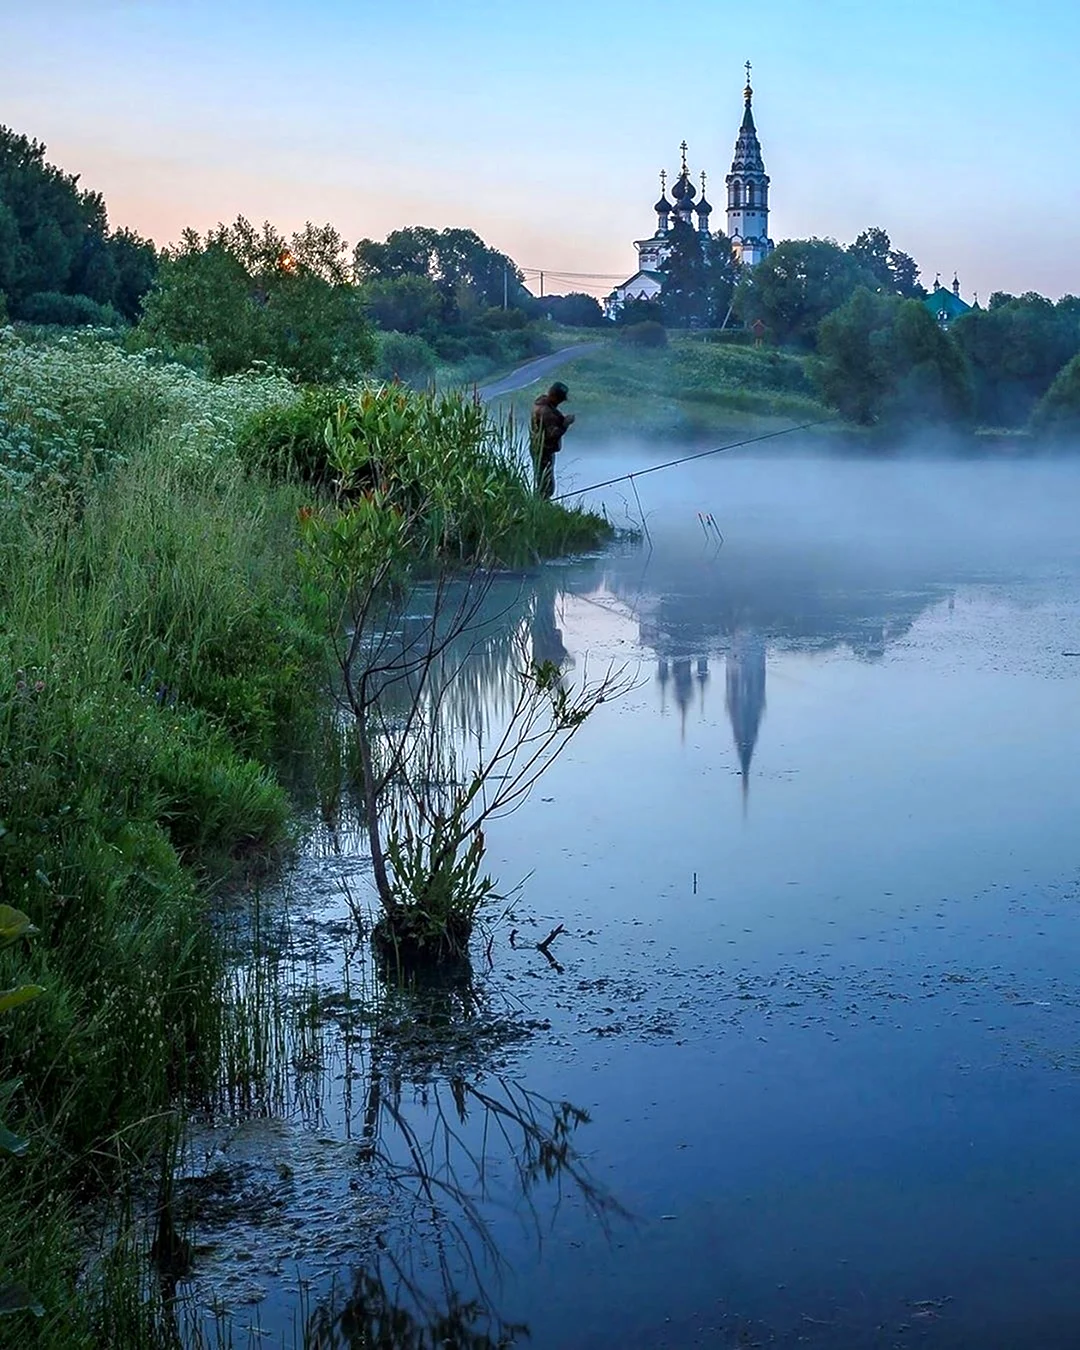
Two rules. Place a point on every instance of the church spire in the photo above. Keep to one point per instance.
(748, 190)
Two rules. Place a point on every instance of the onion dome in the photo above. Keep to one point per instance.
(703, 208)
(684, 191)
(663, 207)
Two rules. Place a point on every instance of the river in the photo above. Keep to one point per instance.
(803, 1066)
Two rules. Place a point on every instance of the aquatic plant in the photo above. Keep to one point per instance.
(427, 495)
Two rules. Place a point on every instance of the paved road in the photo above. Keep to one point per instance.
(534, 370)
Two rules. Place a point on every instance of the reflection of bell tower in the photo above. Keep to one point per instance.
(746, 697)
(684, 689)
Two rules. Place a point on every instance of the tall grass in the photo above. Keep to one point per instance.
(154, 643)
(158, 643)
(439, 459)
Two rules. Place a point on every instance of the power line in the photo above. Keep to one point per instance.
(554, 272)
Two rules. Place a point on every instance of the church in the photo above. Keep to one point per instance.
(747, 214)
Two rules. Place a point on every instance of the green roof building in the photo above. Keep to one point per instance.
(946, 305)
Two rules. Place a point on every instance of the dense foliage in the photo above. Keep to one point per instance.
(59, 261)
(444, 298)
(699, 276)
(154, 645)
(575, 310)
(883, 359)
(893, 271)
(244, 295)
(1057, 415)
(793, 289)
(1016, 349)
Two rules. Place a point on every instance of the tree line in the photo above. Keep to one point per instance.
(59, 260)
(308, 304)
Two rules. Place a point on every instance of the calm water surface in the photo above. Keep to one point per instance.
(817, 992)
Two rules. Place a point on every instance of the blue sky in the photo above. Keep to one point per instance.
(543, 126)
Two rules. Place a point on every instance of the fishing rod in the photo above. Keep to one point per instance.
(685, 459)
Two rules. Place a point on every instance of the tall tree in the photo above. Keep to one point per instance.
(883, 359)
(55, 238)
(699, 273)
(800, 282)
(247, 293)
(468, 274)
(894, 271)
(1016, 349)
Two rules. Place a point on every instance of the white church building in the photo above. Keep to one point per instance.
(747, 214)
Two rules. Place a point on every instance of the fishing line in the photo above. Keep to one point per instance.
(686, 459)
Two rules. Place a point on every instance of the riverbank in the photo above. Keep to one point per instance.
(161, 648)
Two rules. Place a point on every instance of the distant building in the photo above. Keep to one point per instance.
(748, 191)
(747, 214)
(647, 281)
(946, 305)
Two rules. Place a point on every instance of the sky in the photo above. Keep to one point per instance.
(952, 124)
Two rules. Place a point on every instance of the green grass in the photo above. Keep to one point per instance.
(689, 390)
(159, 643)
(155, 645)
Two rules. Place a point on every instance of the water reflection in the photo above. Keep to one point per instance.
(433, 1279)
(786, 1063)
(391, 1158)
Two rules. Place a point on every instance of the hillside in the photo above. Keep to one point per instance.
(690, 390)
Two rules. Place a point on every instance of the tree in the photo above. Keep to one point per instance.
(1016, 348)
(247, 294)
(1057, 414)
(55, 238)
(800, 282)
(576, 310)
(136, 262)
(699, 278)
(883, 359)
(404, 304)
(468, 275)
(639, 311)
(894, 271)
(855, 367)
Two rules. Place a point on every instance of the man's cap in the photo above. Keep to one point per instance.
(559, 389)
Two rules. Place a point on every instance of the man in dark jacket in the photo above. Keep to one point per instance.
(548, 427)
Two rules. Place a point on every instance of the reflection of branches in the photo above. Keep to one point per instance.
(440, 1182)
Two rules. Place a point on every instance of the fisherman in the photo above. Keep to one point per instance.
(548, 427)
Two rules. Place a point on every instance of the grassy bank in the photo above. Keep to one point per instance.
(688, 390)
(158, 645)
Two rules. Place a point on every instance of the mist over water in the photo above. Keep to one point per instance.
(819, 878)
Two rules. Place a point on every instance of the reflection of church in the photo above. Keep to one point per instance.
(744, 678)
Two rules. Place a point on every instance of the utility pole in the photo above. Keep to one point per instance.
(541, 285)
(505, 286)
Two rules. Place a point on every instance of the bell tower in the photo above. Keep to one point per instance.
(748, 190)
